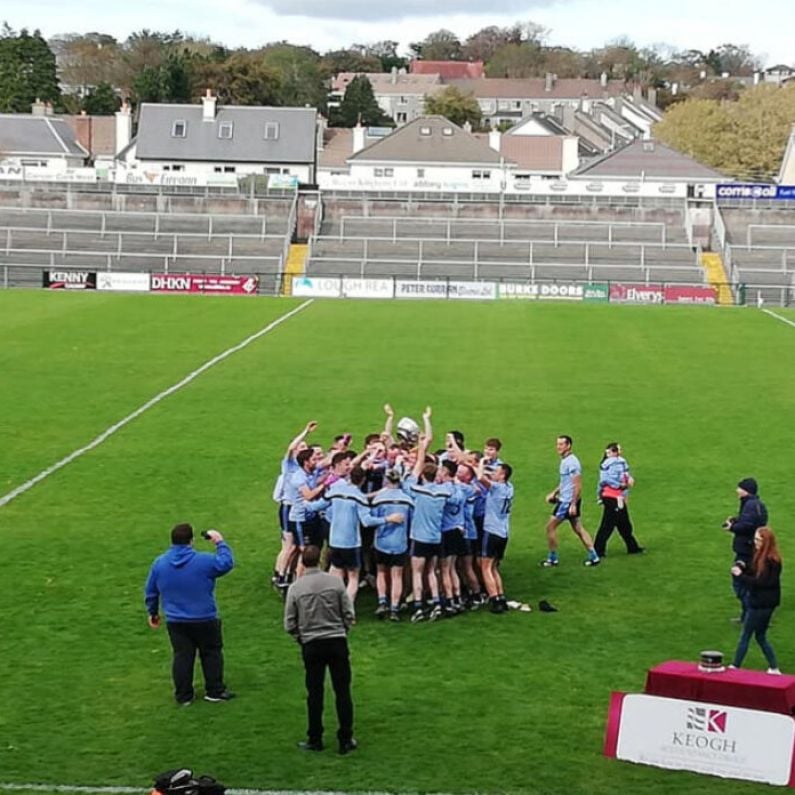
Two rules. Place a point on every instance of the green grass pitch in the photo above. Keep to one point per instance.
(698, 397)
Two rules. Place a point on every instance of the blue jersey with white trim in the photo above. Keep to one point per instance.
(392, 538)
(499, 502)
(569, 469)
(429, 500)
(349, 509)
(453, 513)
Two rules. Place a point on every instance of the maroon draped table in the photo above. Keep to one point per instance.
(734, 688)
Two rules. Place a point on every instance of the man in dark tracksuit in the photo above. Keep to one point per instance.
(752, 515)
(318, 613)
(184, 580)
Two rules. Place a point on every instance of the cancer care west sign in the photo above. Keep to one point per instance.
(714, 739)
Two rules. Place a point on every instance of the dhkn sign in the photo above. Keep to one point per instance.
(729, 742)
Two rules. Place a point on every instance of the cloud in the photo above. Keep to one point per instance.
(367, 10)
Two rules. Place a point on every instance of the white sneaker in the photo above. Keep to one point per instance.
(775, 671)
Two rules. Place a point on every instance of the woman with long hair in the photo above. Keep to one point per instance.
(763, 583)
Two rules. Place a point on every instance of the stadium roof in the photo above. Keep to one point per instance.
(650, 160)
(293, 128)
(24, 134)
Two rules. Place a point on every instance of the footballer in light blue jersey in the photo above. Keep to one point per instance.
(566, 499)
(429, 500)
(499, 502)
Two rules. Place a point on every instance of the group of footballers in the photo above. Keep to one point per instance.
(432, 525)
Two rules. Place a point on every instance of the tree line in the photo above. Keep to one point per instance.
(710, 116)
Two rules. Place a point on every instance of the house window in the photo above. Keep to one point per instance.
(173, 167)
(403, 101)
(180, 129)
(517, 105)
(481, 174)
(425, 130)
(384, 172)
(224, 169)
(225, 129)
(503, 104)
(447, 131)
(276, 170)
(272, 131)
(401, 117)
(420, 173)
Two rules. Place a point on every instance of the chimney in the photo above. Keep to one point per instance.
(653, 97)
(757, 78)
(48, 109)
(208, 106)
(467, 126)
(549, 81)
(394, 75)
(123, 127)
(322, 126)
(38, 108)
(83, 131)
(637, 93)
(495, 136)
(358, 138)
(603, 80)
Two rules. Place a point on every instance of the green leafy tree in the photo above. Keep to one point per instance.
(441, 45)
(359, 106)
(745, 139)
(454, 105)
(101, 101)
(242, 79)
(27, 71)
(350, 60)
(300, 79)
(386, 52)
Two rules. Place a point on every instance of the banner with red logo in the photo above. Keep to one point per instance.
(714, 739)
(204, 283)
(621, 293)
(689, 294)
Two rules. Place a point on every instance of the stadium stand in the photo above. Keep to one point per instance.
(37, 238)
(760, 251)
(490, 241)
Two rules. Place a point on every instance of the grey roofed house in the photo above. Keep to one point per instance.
(429, 139)
(250, 134)
(649, 160)
(35, 135)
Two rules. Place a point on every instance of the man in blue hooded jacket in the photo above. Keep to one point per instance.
(184, 580)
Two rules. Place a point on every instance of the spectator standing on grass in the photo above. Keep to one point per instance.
(762, 583)
(319, 613)
(752, 515)
(568, 503)
(615, 481)
(184, 580)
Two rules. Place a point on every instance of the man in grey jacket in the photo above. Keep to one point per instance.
(318, 613)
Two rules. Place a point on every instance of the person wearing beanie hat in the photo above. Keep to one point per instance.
(752, 515)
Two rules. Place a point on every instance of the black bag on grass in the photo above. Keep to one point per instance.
(182, 782)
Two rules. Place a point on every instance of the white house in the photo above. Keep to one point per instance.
(202, 144)
(427, 154)
(38, 143)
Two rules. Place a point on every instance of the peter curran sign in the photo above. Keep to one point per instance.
(713, 739)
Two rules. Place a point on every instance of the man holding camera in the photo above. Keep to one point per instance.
(184, 580)
(752, 516)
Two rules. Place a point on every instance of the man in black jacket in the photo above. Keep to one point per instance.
(752, 515)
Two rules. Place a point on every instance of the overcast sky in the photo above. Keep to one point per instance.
(766, 25)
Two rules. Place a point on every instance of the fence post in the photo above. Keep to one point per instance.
(103, 225)
(419, 259)
(610, 235)
(210, 227)
(555, 234)
(477, 255)
(157, 225)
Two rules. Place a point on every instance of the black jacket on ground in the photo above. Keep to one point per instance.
(753, 515)
(764, 591)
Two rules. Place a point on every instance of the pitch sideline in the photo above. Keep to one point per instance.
(68, 789)
(44, 474)
(779, 317)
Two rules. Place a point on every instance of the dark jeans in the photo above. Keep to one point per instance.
(331, 653)
(188, 637)
(757, 620)
(614, 518)
(739, 588)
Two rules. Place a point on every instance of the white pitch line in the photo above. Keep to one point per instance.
(19, 490)
(779, 317)
(67, 789)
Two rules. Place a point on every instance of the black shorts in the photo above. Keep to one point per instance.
(454, 543)
(390, 560)
(284, 511)
(479, 530)
(493, 546)
(422, 549)
(308, 532)
(561, 512)
(349, 558)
